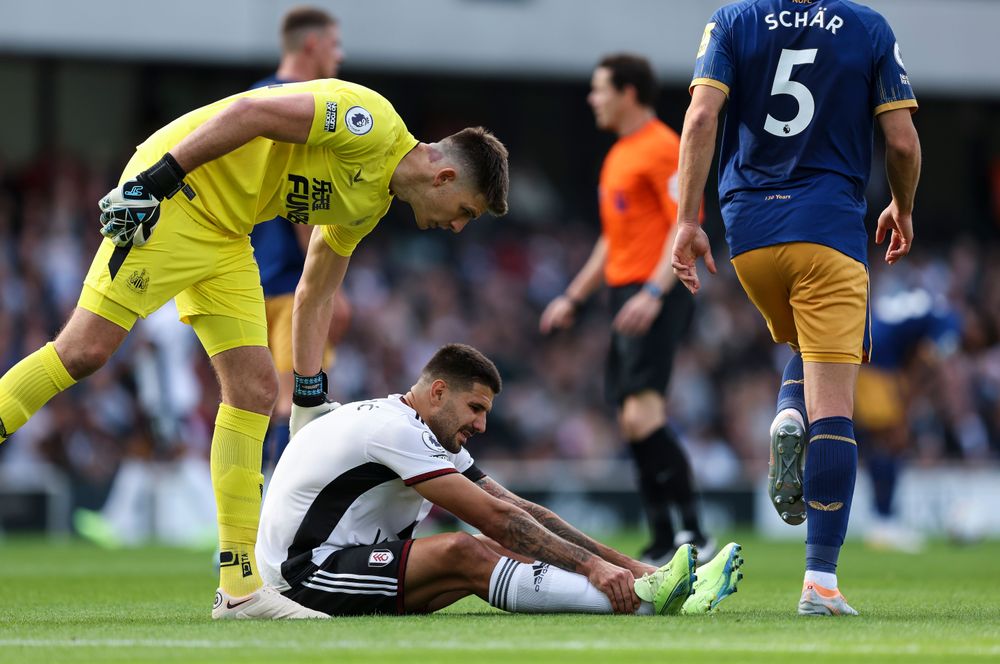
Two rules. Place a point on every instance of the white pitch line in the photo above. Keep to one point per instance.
(555, 646)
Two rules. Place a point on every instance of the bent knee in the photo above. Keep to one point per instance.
(256, 392)
(262, 392)
(467, 549)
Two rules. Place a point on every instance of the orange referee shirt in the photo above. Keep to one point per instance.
(638, 201)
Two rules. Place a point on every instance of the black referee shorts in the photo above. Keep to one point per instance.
(636, 364)
(361, 580)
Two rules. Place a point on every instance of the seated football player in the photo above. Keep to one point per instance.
(336, 529)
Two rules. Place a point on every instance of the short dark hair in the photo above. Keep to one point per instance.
(634, 70)
(460, 366)
(485, 157)
(299, 20)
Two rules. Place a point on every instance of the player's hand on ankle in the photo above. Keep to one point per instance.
(309, 401)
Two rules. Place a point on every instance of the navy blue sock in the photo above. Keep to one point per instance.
(831, 468)
(792, 392)
(884, 470)
(275, 442)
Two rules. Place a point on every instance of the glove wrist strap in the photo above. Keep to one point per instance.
(164, 178)
(310, 390)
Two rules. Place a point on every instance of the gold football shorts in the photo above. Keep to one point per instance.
(279, 332)
(879, 400)
(812, 297)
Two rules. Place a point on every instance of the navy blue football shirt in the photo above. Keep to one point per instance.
(805, 80)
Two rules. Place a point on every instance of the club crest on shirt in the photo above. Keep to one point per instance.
(358, 120)
(380, 558)
(138, 281)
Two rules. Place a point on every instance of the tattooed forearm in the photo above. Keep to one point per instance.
(524, 535)
(554, 524)
(567, 532)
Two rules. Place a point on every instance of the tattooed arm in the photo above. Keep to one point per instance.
(551, 521)
(518, 531)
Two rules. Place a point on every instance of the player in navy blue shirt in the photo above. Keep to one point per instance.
(803, 81)
(310, 46)
(911, 330)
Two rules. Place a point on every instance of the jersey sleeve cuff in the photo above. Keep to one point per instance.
(336, 243)
(711, 82)
(423, 477)
(893, 105)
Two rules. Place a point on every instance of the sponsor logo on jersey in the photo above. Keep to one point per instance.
(138, 281)
(380, 558)
(358, 120)
(3, 430)
(357, 176)
(896, 54)
(705, 39)
(305, 197)
(538, 571)
(330, 124)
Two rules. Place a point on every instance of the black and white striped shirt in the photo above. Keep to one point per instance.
(345, 480)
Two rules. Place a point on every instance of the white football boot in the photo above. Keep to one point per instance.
(264, 604)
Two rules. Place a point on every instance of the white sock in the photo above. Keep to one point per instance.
(826, 580)
(542, 588)
(787, 413)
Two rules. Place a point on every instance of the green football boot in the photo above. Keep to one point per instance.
(717, 580)
(668, 587)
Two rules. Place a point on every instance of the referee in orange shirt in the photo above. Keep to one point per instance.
(652, 312)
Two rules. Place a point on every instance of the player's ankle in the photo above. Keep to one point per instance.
(785, 414)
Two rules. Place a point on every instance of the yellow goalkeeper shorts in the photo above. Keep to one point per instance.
(212, 275)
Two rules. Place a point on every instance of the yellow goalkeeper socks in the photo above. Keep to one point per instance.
(238, 486)
(29, 385)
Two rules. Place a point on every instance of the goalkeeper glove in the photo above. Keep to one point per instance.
(309, 401)
(129, 213)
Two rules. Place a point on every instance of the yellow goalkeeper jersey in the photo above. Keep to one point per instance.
(339, 178)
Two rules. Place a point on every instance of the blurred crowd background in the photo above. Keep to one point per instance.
(412, 291)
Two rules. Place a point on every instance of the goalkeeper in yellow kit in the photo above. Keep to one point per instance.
(326, 153)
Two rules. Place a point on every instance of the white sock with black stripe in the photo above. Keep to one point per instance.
(542, 588)
(500, 584)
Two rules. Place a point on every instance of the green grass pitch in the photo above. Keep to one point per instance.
(76, 603)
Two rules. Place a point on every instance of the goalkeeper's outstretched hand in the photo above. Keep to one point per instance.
(129, 214)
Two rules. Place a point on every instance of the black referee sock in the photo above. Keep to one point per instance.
(665, 479)
(655, 501)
